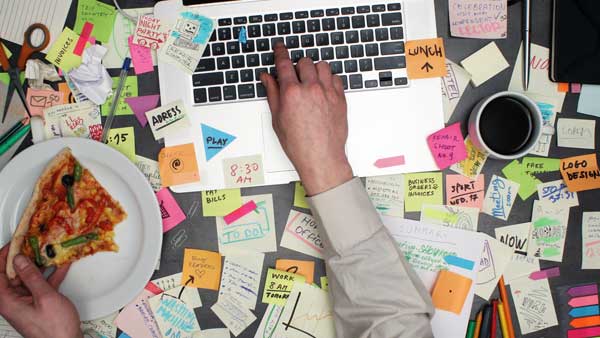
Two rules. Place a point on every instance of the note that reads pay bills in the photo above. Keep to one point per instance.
(168, 119)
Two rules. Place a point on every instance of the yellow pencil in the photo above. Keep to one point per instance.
(478, 324)
(506, 305)
(502, 316)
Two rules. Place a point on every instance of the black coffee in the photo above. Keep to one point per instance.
(506, 125)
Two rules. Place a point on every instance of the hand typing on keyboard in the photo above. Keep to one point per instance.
(310, 119)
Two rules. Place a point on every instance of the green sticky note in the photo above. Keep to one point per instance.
(4, 78)
(300, 196)
(220, 202)
(61, 53)
(422, 188)
(324, 283)
(101, 15)
(129, 90)
(538, 165)
(123, 139)
(528, 184)
(278, 286)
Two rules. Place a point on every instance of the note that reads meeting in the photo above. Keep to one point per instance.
(420, 188)
(425, 58)
(580, 172)
(201, 269)
(168, 119)
(500, 197)
(447, 146)
(478, 19)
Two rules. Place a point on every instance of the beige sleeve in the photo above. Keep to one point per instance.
(375, 293)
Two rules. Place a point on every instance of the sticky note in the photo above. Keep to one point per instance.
(215, 140)
(472, 165)
(548, 231)
(243, 37)
(178, 165)
(590, 241)
(485, 64)
(465, 192)
(540, 165)
(447, 146)
(563, 87)
(524, 291)
(387, 162)
(300, 196)
(174, 317)
(588, 100)
(450, 291)
(464, 218)
(527, 183)
(141, 104)
(556, 193)
(549, 273)
(38, 99)
(61, 53)
(580, 172)
(150, 32)
(576, 133)
(168, 119)
(305, 269)
(460, 262)
(302, 234)
(141, 57)
(515, 236)
(220, 202)
(278, 286)
(500, 197)
(478, 19)
(149, 168)
(130, 89)
(242, 276)
(233, 314)
(324, 283)
(387, 194)
(575, 88)
(202, 267)
(454, 85)
(101, 15)
(170, 211)
(123, 139)
(84, 38)
(425, 58)
(420, 188)
(243, 171)
(240, 212)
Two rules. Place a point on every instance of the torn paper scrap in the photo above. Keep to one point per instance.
(472, 165)
(556, 193)
(454, 85)
(36, 71)
(534, 304)
(494, 261)
(149, 168)
(233, 314)
(241, 277)
(150, 32)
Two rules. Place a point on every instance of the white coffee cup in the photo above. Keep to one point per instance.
(475, 131)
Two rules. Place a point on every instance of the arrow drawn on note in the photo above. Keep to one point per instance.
(191, 280)
(427, 67)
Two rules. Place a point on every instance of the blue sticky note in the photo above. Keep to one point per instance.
(124, 335)
(584, 311)
(243, 38)
(459, 262)
(588, 100)
(215, 140)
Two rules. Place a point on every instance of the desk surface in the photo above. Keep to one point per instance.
(201, 232)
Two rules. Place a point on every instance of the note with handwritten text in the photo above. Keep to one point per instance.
(201, 269)
(149, 168)
(243, 171)
(123, 140)
(494, 260)
(425, 58)
(580, 172)
(548, 231)
(241, 277)
(170, 211)
(269, 321)
(174, 317)
(168, 119)
(233, 314)
(454, 85)
(302, 268)
(104, 326)
(178, 165)
(472, 165)
(515, 236)
(141, 57)
(464, 218)
(61, 52)
(478, 19)
(130, 89)
(465, 192)
(302, 234)
(137, 318)
(590, 243)
(576, 133)
(422, 188)
(556, 193)
(278, 286)
(540, 165)
(514, 171)
(150, 32)
(387, 194)
(101, 15)
(533, 303)
(485, 64)
(220, 202)
(38, 99)
(500, 197)
(447, 146)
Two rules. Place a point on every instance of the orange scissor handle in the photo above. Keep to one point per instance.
(4, 60)
(28, 47)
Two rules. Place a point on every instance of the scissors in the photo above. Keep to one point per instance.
(27, 49)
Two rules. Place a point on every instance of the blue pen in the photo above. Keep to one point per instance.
(116, 97)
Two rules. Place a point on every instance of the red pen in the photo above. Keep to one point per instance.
(493, 327)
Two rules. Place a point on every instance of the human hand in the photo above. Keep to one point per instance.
(32, 305)
(310, 120)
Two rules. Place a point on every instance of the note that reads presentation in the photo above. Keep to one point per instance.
(478, 19)
(447, 146)
(580, 172)
(422, 188)
(425, 58)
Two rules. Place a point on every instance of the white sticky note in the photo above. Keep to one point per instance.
(233, 314)
(168, 119)
(548, 231)
(174, 317)
(534, 304)
(269, 321)
(588, 100)
(520, 266)
(168, 282)
(189, 295)
(387, 194)
(590, 244)
(500, 197)
(301, 234)
(515, 236)
(576, 133)
(453, 86)
(494, 261)
(241, 277)
(253, 232)
(557, 193)
(464, 218)
(485, 64)
(149, 168)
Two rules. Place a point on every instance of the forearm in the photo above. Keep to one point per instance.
(375, 292)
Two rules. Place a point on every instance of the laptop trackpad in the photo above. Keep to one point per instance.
(274, 157)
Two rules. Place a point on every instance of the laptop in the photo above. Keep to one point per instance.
(388, 115)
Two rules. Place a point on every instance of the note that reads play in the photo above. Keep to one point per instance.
(425, 58)
(168, 119)
(580, 172)
(447, 146)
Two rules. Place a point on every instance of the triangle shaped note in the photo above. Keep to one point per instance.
(141, 104)
(214, 141)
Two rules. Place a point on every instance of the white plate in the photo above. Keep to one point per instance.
(105, 282)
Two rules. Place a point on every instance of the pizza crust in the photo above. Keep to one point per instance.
(18, 239)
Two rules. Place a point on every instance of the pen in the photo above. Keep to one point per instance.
(493, 327)
(502, 317)
(526, 43)
(116, 97)
(13, 138)
(506, 306)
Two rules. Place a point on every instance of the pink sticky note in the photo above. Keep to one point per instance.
(38, 99)
(240, 212)
(92, 40)
(137, 318)
(389, 162)
(465, 192)
(141, 104)
(548, 273)
(170, 211)
(141, 57)
(84, 37)
(447, 146)
(575, 88)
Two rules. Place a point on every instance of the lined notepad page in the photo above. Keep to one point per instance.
(17, 15)
(7, 331)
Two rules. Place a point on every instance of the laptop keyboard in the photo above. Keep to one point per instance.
(364, 45)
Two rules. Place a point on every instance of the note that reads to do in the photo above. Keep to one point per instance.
(201, 269)
(447, 146)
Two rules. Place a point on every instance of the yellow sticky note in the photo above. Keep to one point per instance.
(422, 188)
(130, 89)
(201, 269)
(178, 165)
(300, 196)
(6, 51)
(324, 283)
(278, 286)
(425, 58)
(61, 53)
(123, 139)
(472, 165)
(302, 268)
(220, 202)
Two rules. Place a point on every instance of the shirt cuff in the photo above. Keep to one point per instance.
(346, 214)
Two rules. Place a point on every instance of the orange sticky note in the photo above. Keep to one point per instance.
(425, 58)
(178, 165)
(450, 291)
(302, 268)
(201, 269)
(563, 87)
(580, 172)
(68, 97)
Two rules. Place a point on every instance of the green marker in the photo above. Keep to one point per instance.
(471, 329)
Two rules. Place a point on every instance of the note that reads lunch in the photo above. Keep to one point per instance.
(425, 58)
(278, 286)
(420, 188)
(580, 172)
(168, 119)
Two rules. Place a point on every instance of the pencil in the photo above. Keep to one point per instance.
(493, 327)
(470, 329)
(478, 324)
(502, 316)
(505, 304)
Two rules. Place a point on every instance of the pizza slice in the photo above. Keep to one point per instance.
(70, 216)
